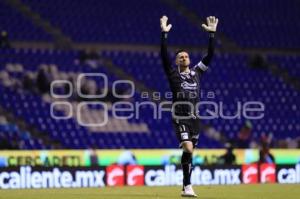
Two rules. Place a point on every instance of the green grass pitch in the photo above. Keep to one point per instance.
(266, 191)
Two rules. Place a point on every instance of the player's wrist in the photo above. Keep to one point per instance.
(164, 34)
(211, 34)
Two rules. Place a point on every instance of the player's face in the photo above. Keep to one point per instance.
(183, 59)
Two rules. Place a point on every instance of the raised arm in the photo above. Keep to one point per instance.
(163, 46)
(211, 28)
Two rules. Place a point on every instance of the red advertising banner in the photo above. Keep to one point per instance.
(135, 175)
(115, 175)
(250, 174)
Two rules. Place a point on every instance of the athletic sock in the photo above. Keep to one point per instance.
(186, 164)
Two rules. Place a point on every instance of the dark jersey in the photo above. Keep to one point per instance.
(185, 86)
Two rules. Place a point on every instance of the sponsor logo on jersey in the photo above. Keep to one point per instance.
(189, 86)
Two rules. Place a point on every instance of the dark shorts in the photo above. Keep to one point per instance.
(187, 130)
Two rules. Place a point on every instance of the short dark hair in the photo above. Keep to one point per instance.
(180, 51)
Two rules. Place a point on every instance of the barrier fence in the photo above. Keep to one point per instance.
(27, 177)
(100, 168)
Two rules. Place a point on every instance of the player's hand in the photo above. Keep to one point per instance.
(211, 25)
(163, 24)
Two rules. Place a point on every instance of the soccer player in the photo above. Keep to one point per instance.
(185, 86)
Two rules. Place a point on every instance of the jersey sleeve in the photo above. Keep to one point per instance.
(164, 55)
(202, 66)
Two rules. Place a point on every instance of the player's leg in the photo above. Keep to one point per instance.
(184, 135)
(195, 138)
(186, 164)
(186, 161)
